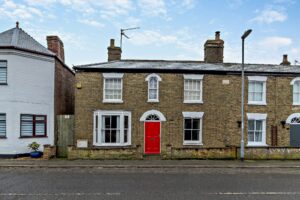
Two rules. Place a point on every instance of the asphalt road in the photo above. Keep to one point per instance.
(148, 184)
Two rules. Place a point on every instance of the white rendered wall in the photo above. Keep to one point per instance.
(29, 90)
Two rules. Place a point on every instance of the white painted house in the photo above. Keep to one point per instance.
(30, 79)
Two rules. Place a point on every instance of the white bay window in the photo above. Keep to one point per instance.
(112, 128)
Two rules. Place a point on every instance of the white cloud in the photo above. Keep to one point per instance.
(153, 8)
(188, 4)
(93, 23)
(16, 11)
(275, 42)
(269, 16)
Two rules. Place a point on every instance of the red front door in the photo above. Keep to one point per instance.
(152, 137)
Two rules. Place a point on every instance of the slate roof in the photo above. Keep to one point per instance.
(163, 65)
(17, 38)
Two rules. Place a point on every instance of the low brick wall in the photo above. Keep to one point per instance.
(271, 153)
(49, 152)
(203, 153)
(124, 153)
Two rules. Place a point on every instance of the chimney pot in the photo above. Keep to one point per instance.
(112, 42)
(218, 35)
(285, 60)
(17, 24)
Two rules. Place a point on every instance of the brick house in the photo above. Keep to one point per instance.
(35, 86)
(125, 108)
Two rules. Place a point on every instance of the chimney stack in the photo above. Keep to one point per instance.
(213, 50)
(285, 60)
(56, 46)
(114, 53)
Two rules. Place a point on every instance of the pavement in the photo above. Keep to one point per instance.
(164, 164)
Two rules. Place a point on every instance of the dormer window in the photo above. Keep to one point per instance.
(153, 87)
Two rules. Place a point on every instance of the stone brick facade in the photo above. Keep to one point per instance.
(221, 107)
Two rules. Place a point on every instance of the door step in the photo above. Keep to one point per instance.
(152, 157)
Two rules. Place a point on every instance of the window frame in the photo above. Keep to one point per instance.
(263, 80)
(256, 117)
(107, 76)
(193, 77)
(6, 74)
(193, 115)
(5, 122)
(34, 121)
(158, 79)
(97, 124)
(293, 82)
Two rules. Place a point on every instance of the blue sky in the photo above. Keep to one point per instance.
(170, 29)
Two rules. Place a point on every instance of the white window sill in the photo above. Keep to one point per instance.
(111, 145)
(192, 143)
(112, 101)
(257, 145)
(192, 101)
(257, 103)
(153, 100)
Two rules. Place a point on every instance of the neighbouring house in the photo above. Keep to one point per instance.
(132, 108)
(35, 86)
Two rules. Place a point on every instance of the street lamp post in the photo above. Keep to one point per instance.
(243, 91)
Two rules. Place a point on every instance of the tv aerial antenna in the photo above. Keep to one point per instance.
(122, 33)
(296, 62)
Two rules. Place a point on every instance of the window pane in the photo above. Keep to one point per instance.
(258, 125)
(126, 121)
(187, 123)
(195, 135)
(251, 87)
(107, 136)
(187, 135)
(196, 123)
(26, 128)
(250, 136)
(258, 96)
(3, 75)
(251, 125)
(39, 129)
(107, 122)
(125, 136)
(27, 117)
(152, 94)
(40, 118)
(258, 136)
(2, 125)
(258, 87)
(113, 136)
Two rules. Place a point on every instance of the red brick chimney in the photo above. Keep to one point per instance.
(213, 50)
(285, 60)
(56, 46)
(114, 53)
